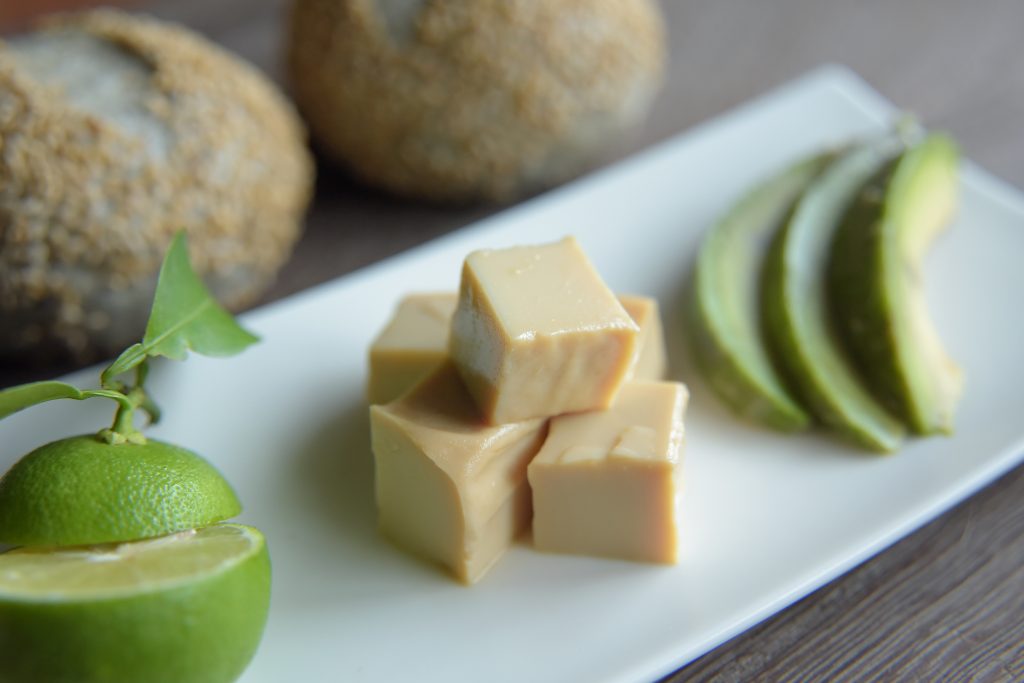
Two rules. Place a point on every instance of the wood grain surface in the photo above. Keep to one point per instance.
(944, 604)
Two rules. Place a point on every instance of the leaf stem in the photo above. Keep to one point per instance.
(124, 421)
(129, 358)
(123, 430)
(141, 372)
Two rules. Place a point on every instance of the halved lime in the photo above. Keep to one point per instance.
(185, 608)
(83, 491)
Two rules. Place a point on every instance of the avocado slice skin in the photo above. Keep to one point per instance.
(876, 291)
(796, 314)
(724, 327)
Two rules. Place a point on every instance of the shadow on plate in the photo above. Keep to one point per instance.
(336, 467)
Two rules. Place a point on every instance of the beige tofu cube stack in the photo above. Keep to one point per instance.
(651, 359)
(606, 483)
(534, 338)
(537, 333)
(415, 341)
(449, 487)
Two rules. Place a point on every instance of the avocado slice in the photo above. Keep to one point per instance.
(724, 326)
(876, 291)
(795, 308)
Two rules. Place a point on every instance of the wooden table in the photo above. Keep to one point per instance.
(946, 603)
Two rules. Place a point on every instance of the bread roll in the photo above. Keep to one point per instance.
(115, 132)
(472, 99)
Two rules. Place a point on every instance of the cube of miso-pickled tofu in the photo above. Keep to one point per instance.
(607, 483)
(449, 487)
(650, 363)
(414, 342)
(537, 333)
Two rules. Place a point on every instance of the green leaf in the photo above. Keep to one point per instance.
(18, 398)
(184, 316)
(129, 358)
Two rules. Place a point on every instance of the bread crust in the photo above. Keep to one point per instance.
(472, 99)
(87, 208)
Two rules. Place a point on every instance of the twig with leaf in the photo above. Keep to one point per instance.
(184, 317)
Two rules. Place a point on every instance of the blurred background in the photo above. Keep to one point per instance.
(958, 65)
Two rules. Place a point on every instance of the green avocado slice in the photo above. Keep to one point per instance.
(876, 291)
(724, 327)
(795, 308)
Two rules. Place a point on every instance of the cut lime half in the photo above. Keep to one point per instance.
(186, 608)
(83, 491)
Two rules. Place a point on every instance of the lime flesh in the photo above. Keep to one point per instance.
(83, 491)
(188, 608)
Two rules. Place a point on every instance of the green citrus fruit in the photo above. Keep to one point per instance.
(185, 608)
(84, 491)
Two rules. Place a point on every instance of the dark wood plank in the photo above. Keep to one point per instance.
(944, 603)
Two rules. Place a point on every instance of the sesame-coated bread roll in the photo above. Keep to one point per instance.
(115, 132)
(472, 99)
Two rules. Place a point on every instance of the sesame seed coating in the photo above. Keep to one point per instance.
(469, 99)
(89, 199)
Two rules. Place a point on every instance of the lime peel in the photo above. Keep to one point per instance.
(83, 491)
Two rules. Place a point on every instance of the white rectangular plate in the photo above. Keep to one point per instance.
(768, 518)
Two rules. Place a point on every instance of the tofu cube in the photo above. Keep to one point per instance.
(651, 360)
(414, 342)
(449, 487)
(607, 483)
(537, 333)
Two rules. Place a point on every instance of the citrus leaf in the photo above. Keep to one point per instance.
(184, 316)
(18, 398)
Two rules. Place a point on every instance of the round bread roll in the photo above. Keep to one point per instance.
(116, 132)
(472, 99)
